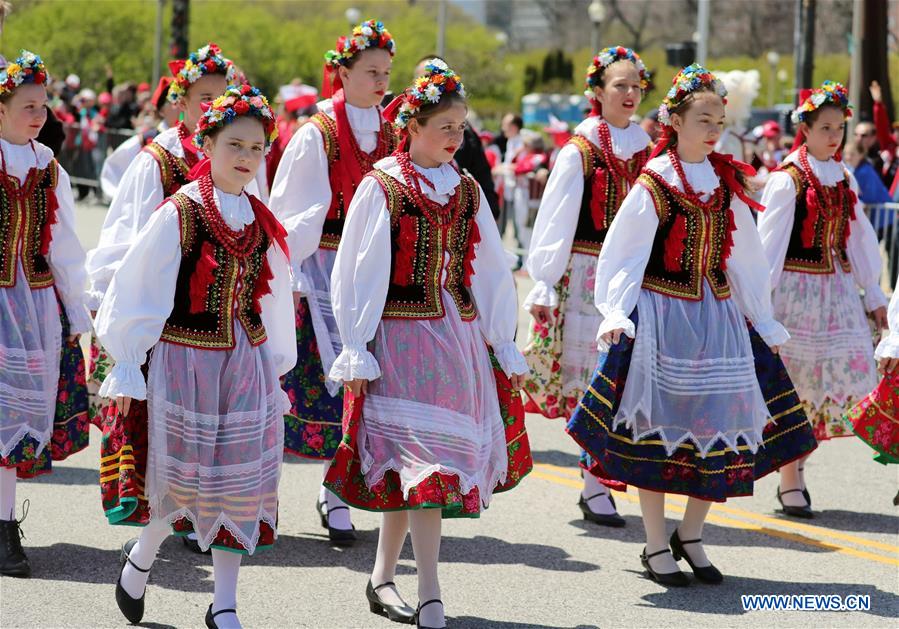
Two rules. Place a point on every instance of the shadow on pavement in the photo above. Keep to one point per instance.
(471, 622)
(725, 598)
(856, 521)
(65, 475)
(556, 457)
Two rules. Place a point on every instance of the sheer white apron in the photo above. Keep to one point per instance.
(582, 319)
(30, 346)
(692, 374)
(317, 269)
(435, 407)
(830, 354)
(216, 438)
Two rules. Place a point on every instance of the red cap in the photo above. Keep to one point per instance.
(486, 135)
(771, 129)
(161, 91)
(143, 87)
(300, 102)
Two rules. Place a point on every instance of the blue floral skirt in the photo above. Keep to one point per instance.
(618, 460)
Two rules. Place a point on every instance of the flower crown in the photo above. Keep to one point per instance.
(369, 34)
(207, 60)
(830, 92)
(606, 57)
(28, 68)
(428, 89)
(243, 100)
(691, 79)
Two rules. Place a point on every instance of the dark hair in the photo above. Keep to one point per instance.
(516, 120)
(355, 58)
(601, 75)
(429, 57)
(429, 110)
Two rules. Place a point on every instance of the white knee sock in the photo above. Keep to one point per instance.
(391, 537)
(143, 555)
(691, 528)
(652, 507)
(424, 526)
(7, 493)
(597, 503)
(322, 492)
(226, 566)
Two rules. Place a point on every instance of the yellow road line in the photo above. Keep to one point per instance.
(717, 519)
(796, 526)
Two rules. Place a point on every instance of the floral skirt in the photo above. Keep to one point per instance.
(313, 427)
(830, 354)
(99, 366)
(442, 491)
(876, 421)
(70, 421)
(562, 355)
(618, 460)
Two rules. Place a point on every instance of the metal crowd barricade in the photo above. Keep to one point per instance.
(884, 218)
(84, 151)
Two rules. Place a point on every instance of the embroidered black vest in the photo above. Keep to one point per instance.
(600, 182)
(172, 168)
(691, 244)
(819, 236)
(26, 212)
(229, 296)
(333, 226)
(419, 241)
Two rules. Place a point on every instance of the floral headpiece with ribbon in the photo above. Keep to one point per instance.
(689, 80)
(27, 68)
(369, 34)
(242, 100)
(606, 57)
(830, 93)
(206, 60)
(427, 89)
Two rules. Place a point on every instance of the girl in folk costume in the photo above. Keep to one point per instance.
(206, 287)
(591, 177)
(315, 182)
(159, 171)
(420, 288)
(875, 419)
(690, 398)
(42, 310)
(821, 249)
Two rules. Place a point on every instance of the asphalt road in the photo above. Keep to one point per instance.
(530, 561)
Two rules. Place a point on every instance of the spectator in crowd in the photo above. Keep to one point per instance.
(650, 124)
(511, 143)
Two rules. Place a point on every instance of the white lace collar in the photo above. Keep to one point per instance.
(701, 175)
(828, 173)
(625, 142)
(444, 177)
(234, 208)
(360, 118)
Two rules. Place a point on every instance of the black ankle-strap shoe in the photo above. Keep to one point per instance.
(612, 519)
(131, 608)
(805, 512)
(673, 579)
(210, 616)
(397, 613)
(421, 606)
(706, 574)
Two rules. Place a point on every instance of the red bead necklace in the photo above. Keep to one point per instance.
(619, 166)
(413, 180)
(828, 203)
(238, 243)
(713, 201)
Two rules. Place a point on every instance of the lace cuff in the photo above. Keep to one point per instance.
(125, 380)
(79, 320)
(511, 359)
(542, 295)
(353, 363)
(300, 282)
(888, 347)
(772, 332)
(613, 320)
(874, 298)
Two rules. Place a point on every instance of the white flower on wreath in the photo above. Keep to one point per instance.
(432, 93)
(818, 99)
(29, 58)
(360, 41)
(203, 53)
(439, 64)
(215, 115)
(461, 90)
(193, 74)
